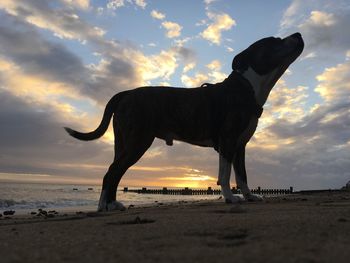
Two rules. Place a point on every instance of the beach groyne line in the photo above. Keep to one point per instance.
(208, 191)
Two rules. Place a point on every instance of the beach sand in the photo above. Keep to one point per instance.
(292, 228)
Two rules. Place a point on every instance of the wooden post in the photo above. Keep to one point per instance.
(209, 191)
(144, 190)
(125, 189)
(291, 189)
(165, 191)
(187, 191)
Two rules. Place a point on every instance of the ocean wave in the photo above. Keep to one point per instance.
(5, 203)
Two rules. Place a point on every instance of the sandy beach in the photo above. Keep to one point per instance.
(291, 228)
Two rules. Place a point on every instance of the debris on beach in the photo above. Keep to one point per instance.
(9, 212)
(53, 212)
(42, 212)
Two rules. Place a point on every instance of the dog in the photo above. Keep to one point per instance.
(222, 115)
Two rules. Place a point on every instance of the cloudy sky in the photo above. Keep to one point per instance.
(61, 60)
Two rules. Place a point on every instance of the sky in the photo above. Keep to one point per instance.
(62, 60)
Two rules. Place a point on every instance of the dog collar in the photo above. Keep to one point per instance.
(237, 76)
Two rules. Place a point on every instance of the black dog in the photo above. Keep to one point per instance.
(224, 116)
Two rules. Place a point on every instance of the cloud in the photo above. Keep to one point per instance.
(173, 29)
(110, 76)
(214, 65)
(188, 55)
(208, 2)
(120, 68)
(22, 45)
(159, 66)
(286, 103)
(81, 4)
(157, 15)
(35, 55)
(347, 54)
(195, 81)
(221, 22)
(313, 142)
(322, 24)
(229, 49)
(34, 89)
(189, 67)
(212, 75)
(115, 4)
(141, 3)
(320, 19)
(292, 14)
(334, 83)
(33, 141)
(64, 23)
(215, 74)
(324, 29)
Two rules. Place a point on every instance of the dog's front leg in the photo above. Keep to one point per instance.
(224, 180)
(241, 176)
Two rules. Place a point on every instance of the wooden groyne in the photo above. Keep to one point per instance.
(208, 191)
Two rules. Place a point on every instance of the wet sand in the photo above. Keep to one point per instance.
(293, 228)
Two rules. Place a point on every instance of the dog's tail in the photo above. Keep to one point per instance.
(101, 129)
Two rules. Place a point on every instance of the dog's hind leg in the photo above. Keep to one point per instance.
(224, 180)
(241, 176)
(110, 183)
(127, 153)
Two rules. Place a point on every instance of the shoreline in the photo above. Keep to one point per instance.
(292, 228)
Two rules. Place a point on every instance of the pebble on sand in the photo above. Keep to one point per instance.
(9, 212)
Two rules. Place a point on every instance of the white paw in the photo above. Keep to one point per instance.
(228, 196)
(253, 198)
(115, 205)
(232, 199)
(241, 197)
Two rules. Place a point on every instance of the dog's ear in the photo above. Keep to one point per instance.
(240, 62)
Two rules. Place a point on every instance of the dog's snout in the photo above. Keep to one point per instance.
(296, 35)
(295, 40)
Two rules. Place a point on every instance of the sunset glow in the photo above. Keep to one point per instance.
(61, 61)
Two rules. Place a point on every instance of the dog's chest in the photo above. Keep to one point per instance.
(249, 131)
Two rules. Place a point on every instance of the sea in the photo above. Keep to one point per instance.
(27, 197)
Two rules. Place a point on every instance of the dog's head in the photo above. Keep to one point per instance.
(264, 62)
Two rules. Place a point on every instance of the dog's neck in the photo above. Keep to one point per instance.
(262, 84)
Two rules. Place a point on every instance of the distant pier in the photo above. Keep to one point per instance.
(208, 191)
